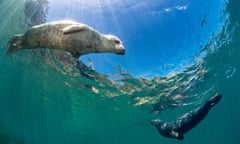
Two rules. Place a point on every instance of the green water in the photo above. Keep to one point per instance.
(46, 100)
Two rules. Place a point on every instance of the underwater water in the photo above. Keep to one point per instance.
(178, 53)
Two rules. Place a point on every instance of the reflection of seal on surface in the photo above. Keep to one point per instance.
(76, 38)
(177, 128)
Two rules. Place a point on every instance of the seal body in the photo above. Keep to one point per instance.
(183, 124)
(70, 36)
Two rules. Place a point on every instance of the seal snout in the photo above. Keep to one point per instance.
(214, 100)
(121, 51)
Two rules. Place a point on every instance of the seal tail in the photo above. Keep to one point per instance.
(14, 44)
(212, 101)
(155, 122)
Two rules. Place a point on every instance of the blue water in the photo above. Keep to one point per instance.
(178, 54)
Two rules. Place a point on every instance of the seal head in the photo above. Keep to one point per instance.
(115, 44)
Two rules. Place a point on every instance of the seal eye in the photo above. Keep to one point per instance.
(117, 41)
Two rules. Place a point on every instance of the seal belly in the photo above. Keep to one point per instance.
(189, 120)
(81, 42)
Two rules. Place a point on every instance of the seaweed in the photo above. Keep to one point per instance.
(36, 11)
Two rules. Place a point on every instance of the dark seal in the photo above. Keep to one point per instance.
(176, 129)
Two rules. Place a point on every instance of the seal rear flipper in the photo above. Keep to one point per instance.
(14, 44)
(73, 29)
(155, 122)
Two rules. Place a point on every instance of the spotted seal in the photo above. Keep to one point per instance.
(183, 124)
(76, 38)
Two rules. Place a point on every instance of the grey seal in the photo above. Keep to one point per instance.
(183, 124)
(76, 38)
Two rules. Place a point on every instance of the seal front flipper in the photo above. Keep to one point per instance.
(176, 135)
(73, 29)
(75, 55)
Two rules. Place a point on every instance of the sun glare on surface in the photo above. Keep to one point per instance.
(85, 3)
(84, 7)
